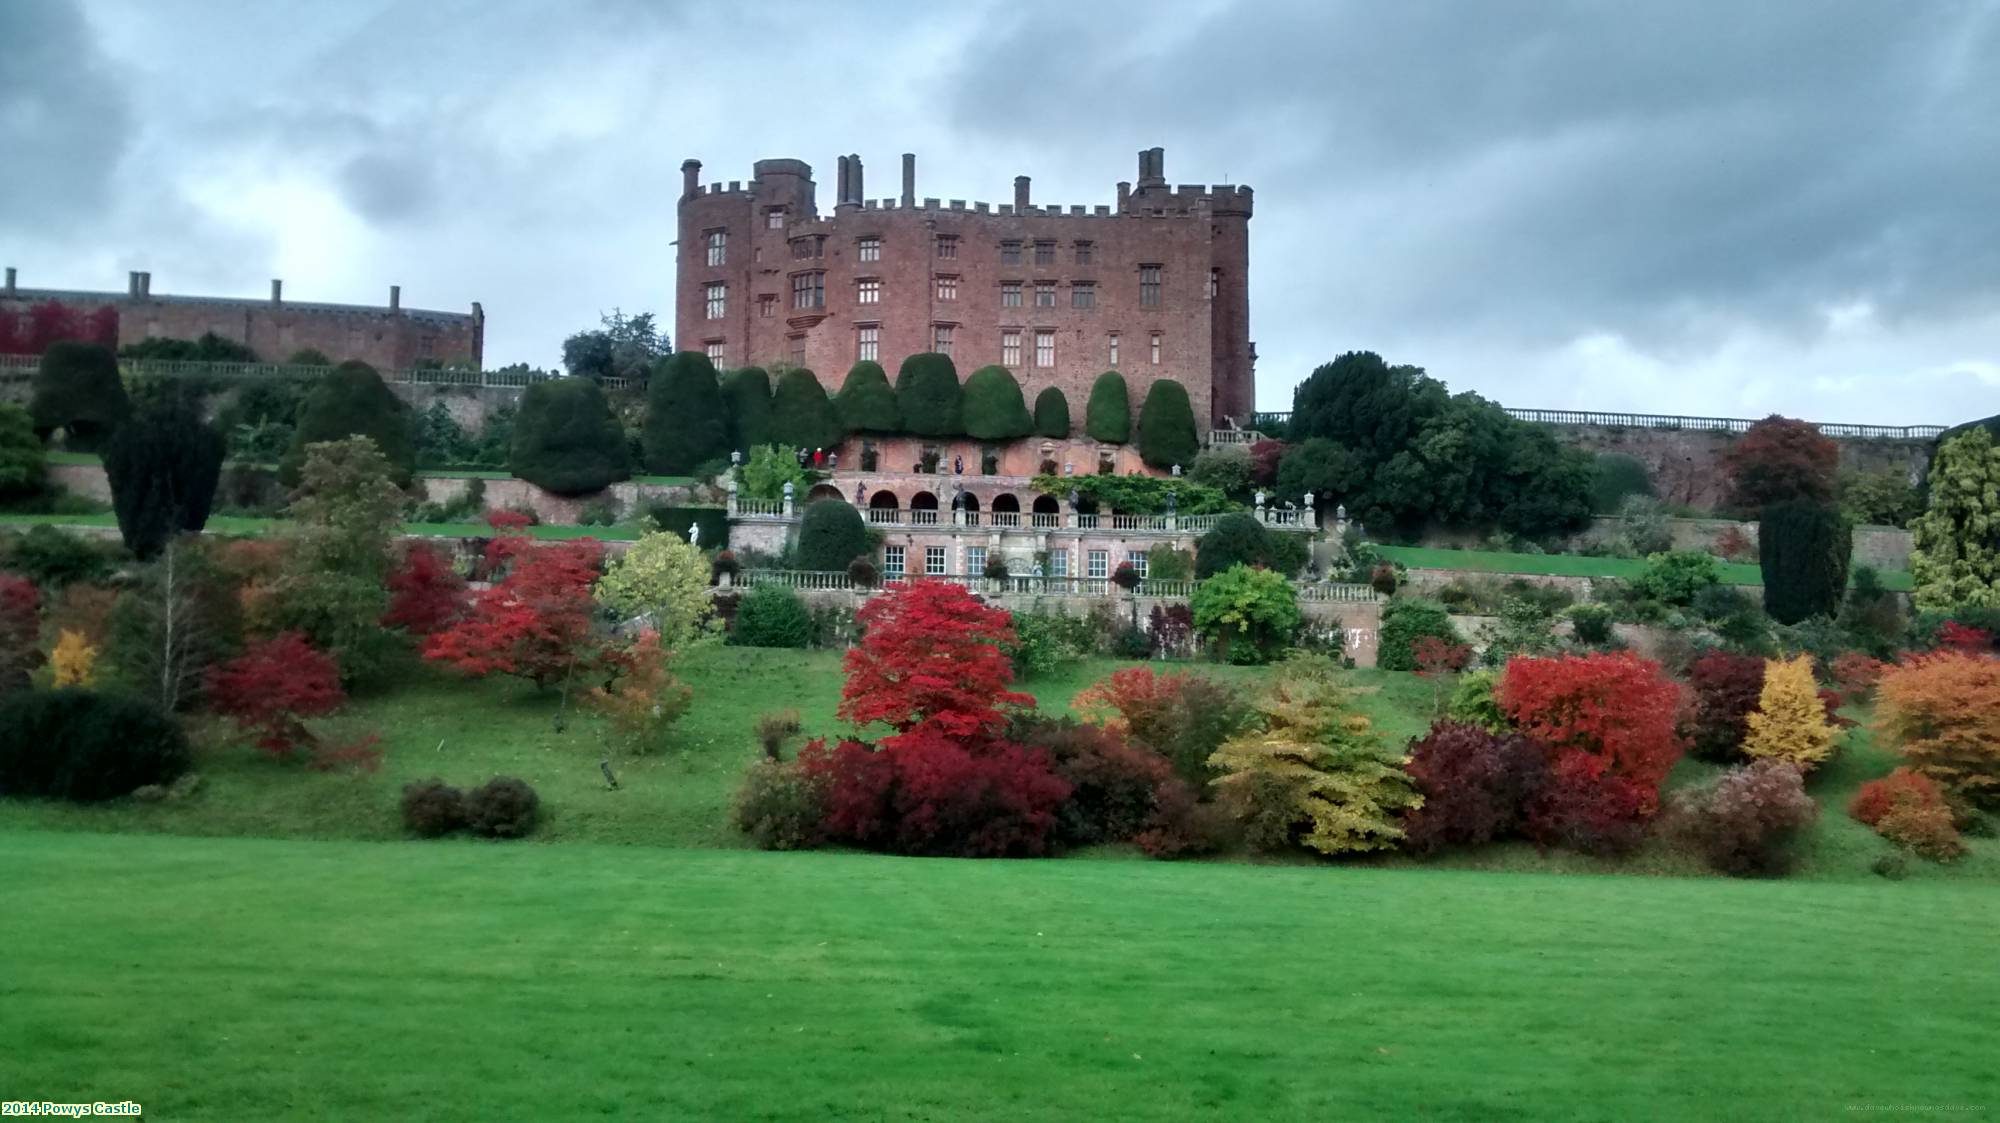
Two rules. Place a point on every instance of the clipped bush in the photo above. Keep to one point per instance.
(866, 402)
(802, 415)
(77, 390)
(1051, 413)
(680, 521)
(831, 535)
(1803, 550)
(771, 616)
(929, 397)
(567, 440)
(1249, 614)
(1591, 623)
(993, 408)
(433, 808)
(351, 400)
(687, 424)
(503, 807)
(1406, 620)
(1234, 540)
(863, 572)
(86, 747)
(781, 805)
(1476, 785)
(1677, 577)
(1108, 416)
(1166, 425)
(746, 394)
(1745, 822)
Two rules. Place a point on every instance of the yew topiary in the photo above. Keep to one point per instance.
(929, 397)
(1109, 415)
(1051, 413)
(567, 440)
(993, 407)
(866, 402)
(747, 394)
(77, 390)
(1166, 425)
(353, 401)
(802, 415)
(687, 424)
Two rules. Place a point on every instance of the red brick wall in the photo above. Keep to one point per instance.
(1188, 231)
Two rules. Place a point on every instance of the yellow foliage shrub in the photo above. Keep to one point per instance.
(1790, 722)
(74, 660)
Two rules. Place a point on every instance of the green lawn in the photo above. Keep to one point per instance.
(233, 979)
(240, 527)
(1572, 565)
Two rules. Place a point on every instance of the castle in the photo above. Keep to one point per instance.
(387, 338)
(1155, 287)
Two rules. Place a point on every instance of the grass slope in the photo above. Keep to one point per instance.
(256, 979)
(1573, 565)
(241, 527)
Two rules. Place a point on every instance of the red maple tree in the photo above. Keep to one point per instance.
(1779, 460)
(271, 689)
(930, 659)
(1613, 711)
(425, 593)
(534, 623)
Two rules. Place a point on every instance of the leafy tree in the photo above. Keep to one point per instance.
(425, 593)
(1724, 690)
(1476, 783)
(772, 616)
(259, 418)
(1790, 722)
(1617, 476)
(77, 390)
(209, 348)
(180, 618)
(646, 700)
(333, 584)
(308, 357)
(1885, 498)
(801, 414)
(1405, 622)
(929, 397)
(993, 409)
(72, 662)
(1226, 468)
(86, 747)
(622, 347)
(1956, 556)
(769, 469)
(353, 401)
(1678, 576)
(23, 461)
(1362, 403)
(566, 439)
(866, 402)
(932, 660)
(1779, 460)
(686, 423)
(830, 535)
(664, 579)
(271, 689)
(1248, 613)
(440, 441)
(1182, 716)
(1803, 550)
(1942, 712)
(1051, 413)
(1108, 416)
(747, 394)
(535, 623)
(1315, 774)
(1234, 540)
(1166, 425)
(163, 466)
(1320, 467)
(1608, 723)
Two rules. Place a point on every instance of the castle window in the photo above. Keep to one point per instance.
(803, 248)
(1010, 253)
(868, 290)
(1214, 283)
(892, 561)
(1156, 348)
(718, 247)
(947, 246)
(1045, 294)
(1137, 560)
(1149, 284)
(975, 561)
(947, 287)
(798, 349)
(869, 249)
(717, 297)
(713, 349)
(809, 290)
(867, 342)
(1010, 348)
(941, 338)
(774, 219)
(1095, 566)
(1083, 253)
(1010, 294)
(1114, 350)
(1082, 294)
(934, 561)
(1045, 348)
(767, 305)
(1045, 253)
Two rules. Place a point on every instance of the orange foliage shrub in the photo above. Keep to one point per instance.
(1942, 711)
(1909, 809)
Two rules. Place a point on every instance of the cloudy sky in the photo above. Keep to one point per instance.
(1691, 206)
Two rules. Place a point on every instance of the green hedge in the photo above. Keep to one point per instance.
(1108, 417)
(1166, 426)
(1405, 620)
(77, 390)
(866, 402)
(747, 397)
(831, 535)
(771, 616)
(993, 407)
(801, 413)
(714, 523)
(351, 400)
(1051, 413)
(567, 440)
(86, 747)
(1240, 539)
(1803, 550)
(929, 397)
(687, 424)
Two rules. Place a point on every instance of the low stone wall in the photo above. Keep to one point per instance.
(1686, 464)
(1884, 547)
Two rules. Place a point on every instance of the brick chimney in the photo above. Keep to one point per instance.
(840, 177)
(395, 298)
(132, 283)
(277, 291)
(1020, 194)
(909, 179)
(10, 278)
(146, 284)
(690, 177)
(854, 192)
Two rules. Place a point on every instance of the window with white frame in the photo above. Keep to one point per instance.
(1010, 294)
(934, 561)
(1045, 294)
(975, 560)
(868, 290)
(1010, 253)
(1156, 348)
(774, 219)
(1045, 253)
(892, 561)
(718, 247)
(1045, 348)
(1058, 563)
(717, 300)
(941, 338)
(947, 287)
(1214, 283)
(867, 342)
(869, 249)
(1010, 348)
(1097, 566)
(1114, 350)
(947, 246)
(1137, 560)
(713, 349)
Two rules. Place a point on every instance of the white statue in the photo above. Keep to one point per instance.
(694, 534)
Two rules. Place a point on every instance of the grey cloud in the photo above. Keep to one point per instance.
(386, 187)
(64, 117)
